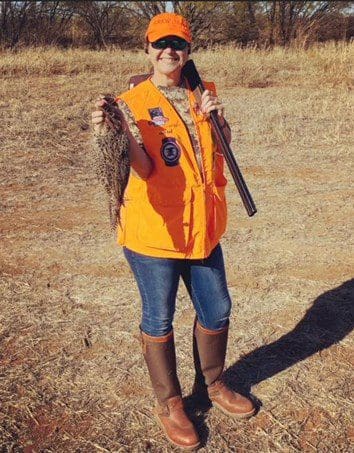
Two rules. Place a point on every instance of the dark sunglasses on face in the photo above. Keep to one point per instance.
(173, 43)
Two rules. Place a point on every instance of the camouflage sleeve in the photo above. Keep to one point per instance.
(129, 118)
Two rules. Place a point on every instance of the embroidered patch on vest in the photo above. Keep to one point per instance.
(170, 151)
(157, 117)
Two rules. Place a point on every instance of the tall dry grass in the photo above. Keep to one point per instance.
(330, 64)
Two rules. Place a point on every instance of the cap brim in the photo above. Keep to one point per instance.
(154, 36)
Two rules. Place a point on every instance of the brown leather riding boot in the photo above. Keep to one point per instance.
(209, 350)
(160, 357)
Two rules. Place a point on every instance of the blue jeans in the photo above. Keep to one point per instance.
(158, 280)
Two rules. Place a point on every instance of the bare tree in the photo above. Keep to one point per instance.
(253, 26)
(318, 17)
(14, 17)
(203, 19)
(288, 20)
(33, 23)
(102, 19)
(238, 21)
(58, 17)
(48, 22)
(145, 10)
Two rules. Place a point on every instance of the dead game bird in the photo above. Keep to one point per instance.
(112, 155)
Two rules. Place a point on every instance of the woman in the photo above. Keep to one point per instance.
(172, 221)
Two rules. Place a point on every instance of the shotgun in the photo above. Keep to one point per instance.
(190, 72)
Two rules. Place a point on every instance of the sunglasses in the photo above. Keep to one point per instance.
(173, 43)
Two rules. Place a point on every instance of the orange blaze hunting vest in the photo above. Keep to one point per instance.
(180, 210)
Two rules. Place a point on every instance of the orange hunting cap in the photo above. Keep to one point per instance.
(166, 24)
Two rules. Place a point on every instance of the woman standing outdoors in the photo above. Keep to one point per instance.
(171, 224)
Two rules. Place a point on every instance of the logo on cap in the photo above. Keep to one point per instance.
(170, 151)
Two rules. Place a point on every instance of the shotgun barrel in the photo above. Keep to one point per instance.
(191, 74)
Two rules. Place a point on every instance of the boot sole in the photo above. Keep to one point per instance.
(232, 414)
(189, 447)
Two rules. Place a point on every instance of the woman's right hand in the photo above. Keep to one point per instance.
(98, 117)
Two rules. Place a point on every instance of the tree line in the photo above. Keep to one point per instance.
(101, 24)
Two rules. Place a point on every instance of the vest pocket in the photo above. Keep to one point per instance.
(165, 224)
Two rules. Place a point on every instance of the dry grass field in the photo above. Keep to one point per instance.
(72, 378)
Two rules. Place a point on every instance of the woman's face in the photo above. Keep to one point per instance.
(167, 61)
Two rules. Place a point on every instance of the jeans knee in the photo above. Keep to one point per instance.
(215, 320)
(216, 324)
(156, 327)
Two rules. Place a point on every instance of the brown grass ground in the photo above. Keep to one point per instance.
(72, 378)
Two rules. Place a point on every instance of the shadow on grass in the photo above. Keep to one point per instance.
(197, 407)
(329, 320)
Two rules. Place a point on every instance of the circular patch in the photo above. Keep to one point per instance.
(170, 151)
